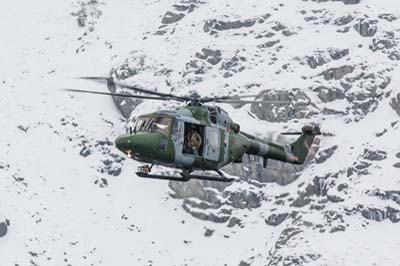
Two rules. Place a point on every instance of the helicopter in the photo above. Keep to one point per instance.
(197, 136)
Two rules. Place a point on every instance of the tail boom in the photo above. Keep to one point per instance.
(294, 153)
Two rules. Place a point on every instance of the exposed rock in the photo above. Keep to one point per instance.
(204, 190)
(276, 219)
(381, 214)
(268, 44)
(324, 155)
(244, 199)
(350, 2)
(200, 204)
(185, 8)
(346, 2)
(88, 12)
(301, 201)
(395, 103)
(213, 24)
(286, 235)
(381, 133)
(171, 17)
(337, 54)
(315, 61)
(288, 33)
(208, 232)
(279, 26)
(384, 42)
(339, 228)
(234, 221)
(376, 155)
(3, 228)
(337, 72)
(329, 94)
(334, 198)
(366, 28)
(297, 108)
(386, 195)
(396, 165)
(320, 58)
(388, 17)
(212, 56)
(243, 263)
(206, 216)
(85, 152)
(342, 187)
(344, 20)
(233, 65)
(25, 129)
(124, 104)
(394, 55)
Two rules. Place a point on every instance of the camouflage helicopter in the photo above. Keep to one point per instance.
(197, 136)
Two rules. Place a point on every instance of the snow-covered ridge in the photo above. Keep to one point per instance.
(68, 197)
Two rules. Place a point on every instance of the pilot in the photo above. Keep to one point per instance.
(194, 142)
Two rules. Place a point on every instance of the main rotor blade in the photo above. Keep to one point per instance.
(121, 95)
(235, 97)
(245, 102)
(134, 88)
(291, 133)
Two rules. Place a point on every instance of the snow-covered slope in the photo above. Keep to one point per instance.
(67, 197)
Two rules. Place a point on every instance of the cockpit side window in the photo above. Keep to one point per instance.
(142, 123)
(154, 124)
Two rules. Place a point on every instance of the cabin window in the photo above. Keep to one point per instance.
(213, 114)
(213, 139)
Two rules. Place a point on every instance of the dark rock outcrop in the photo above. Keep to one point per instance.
(366, 28)
(329, 94)
(324, 155)
(276, 219)
(212, 56)
(374, 155)
(3, 228)
(381, 214)
(337, 72)
(171, 17)
(395, 103)
(296, 108)
(213, 25)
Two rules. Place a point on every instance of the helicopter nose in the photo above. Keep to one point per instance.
(122, 143)
(135, 144)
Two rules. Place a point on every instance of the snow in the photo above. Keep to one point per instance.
(58, 213)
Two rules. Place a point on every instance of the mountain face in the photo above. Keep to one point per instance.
(68, 197)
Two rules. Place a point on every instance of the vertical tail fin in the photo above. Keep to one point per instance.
(303, 144)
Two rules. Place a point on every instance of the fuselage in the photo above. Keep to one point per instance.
(205, 138)
(162, 138)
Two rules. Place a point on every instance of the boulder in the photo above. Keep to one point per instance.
(366, 28)
(3, 228)
(337, 72)
(395, 103)
(171, 17)
(298, 105)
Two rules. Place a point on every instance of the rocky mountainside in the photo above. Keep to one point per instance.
(69, 197)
